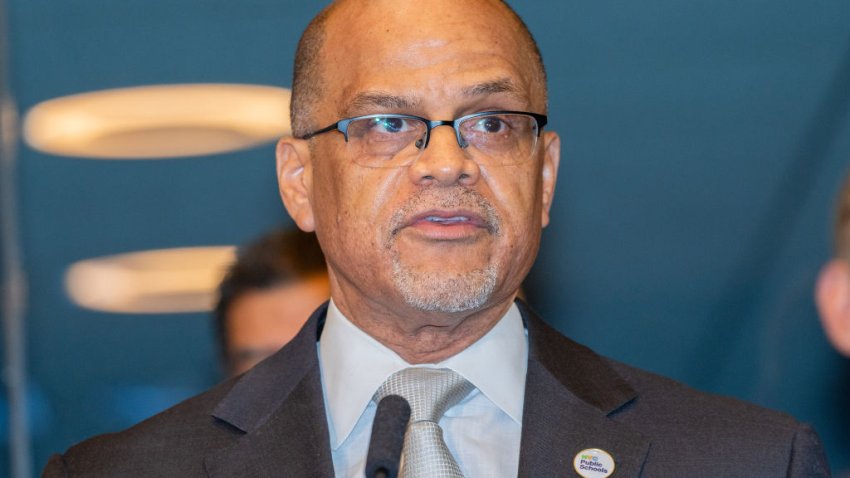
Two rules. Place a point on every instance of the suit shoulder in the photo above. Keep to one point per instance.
(665, 395)
(679, 419)
(170, 443)
(643, 395)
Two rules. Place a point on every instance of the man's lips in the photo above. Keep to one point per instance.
(446, 225)
(448, 218)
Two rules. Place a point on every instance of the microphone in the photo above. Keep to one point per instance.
(387, 437)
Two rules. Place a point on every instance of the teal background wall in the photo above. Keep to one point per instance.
(703, 145)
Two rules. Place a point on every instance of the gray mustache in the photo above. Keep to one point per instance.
(457, 197)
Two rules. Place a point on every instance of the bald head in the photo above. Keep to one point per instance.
(309, 84)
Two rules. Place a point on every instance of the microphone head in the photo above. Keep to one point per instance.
(387, 437)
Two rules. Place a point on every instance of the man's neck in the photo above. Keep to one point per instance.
(422, 337)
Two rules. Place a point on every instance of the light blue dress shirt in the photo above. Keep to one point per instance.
(482, 431)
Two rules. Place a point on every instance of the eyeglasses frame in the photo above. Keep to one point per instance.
(342, 125)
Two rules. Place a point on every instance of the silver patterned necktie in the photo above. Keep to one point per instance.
(430, 392)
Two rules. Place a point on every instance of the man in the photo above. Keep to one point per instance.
(832, 293)
(428, 227)
(267, 295)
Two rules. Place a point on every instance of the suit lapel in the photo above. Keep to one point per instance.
(278, 405)
(571, 399)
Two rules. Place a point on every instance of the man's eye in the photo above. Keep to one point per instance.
(390, 125)
(490, 124)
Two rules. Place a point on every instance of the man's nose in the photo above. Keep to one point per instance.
(444, 162)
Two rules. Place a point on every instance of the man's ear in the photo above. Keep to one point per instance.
(295, 181)
(551, 159)
(832, 295)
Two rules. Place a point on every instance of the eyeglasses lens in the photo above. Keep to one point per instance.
(395, 141)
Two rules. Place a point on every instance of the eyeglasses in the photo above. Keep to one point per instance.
(393, 140)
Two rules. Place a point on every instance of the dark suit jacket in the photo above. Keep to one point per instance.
(271, 422)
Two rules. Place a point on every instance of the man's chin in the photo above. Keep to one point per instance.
(445, 292)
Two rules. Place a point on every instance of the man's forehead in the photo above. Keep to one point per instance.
(388, 100)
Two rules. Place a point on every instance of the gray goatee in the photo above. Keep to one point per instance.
(438, 291)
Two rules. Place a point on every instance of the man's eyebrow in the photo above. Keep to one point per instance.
(503, 85)
(370, 100)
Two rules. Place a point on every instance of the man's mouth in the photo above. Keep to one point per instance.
(447, 220)
(458, 214)
(447, 225)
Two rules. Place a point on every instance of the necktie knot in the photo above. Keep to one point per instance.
(430, 392)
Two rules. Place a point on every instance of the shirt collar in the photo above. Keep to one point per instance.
(496, 364)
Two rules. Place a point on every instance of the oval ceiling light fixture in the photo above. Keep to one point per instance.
(150, 282)
(162, 121)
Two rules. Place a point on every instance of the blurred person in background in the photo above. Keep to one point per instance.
(832, 292)
(277, 281)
